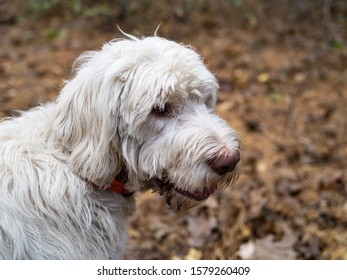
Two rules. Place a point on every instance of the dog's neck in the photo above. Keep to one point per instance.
(117, 185)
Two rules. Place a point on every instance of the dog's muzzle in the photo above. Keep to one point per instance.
(180, 198)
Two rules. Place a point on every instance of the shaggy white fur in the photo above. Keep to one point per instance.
(140, 107)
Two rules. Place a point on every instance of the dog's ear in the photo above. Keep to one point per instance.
(85, 125)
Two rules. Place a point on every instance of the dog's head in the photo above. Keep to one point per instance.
(147, 106)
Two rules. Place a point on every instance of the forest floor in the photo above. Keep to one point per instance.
(283, 87)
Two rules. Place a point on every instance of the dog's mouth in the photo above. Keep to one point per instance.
(181, 198)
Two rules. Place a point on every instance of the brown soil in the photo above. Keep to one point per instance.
(282, 68)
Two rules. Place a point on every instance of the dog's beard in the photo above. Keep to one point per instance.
(180, 198)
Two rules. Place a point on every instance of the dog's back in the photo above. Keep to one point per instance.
(47, 211)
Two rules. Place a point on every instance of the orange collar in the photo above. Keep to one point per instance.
(119, 187)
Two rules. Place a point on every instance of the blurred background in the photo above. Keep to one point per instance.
(282, 70)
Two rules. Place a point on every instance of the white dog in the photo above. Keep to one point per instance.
(137, 115)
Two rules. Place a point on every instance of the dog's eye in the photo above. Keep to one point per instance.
(162, 111)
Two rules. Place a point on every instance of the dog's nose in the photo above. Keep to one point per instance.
(223, 164)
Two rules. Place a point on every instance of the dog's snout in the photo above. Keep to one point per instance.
(224, 163)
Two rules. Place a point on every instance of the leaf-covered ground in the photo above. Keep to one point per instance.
(282, 69)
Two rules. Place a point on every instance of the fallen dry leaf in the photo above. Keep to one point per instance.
(200, 230)
(268, 248)
(263, 77)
